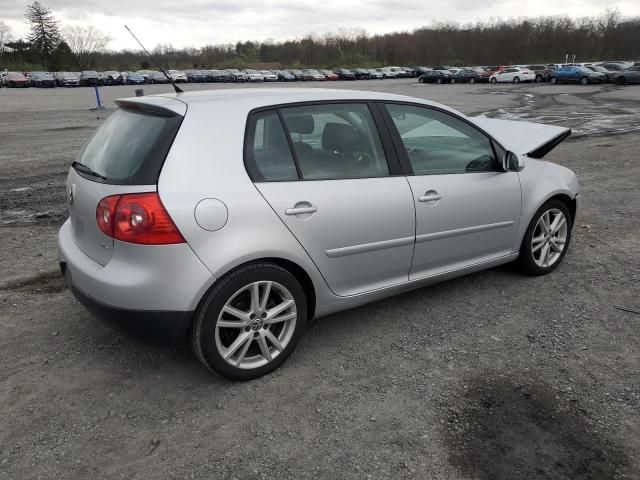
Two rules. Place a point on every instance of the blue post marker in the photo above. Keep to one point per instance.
(98, 96)
(99, 106)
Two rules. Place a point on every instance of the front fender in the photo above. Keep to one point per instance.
(541, 180)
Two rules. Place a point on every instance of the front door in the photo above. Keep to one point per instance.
(467, 207)
(327, 177)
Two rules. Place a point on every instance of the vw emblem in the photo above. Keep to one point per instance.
(71, 195)
(256, 324)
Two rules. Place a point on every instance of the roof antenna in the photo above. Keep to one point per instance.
(175, 87)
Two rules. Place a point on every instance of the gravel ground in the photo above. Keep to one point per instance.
(493, 376)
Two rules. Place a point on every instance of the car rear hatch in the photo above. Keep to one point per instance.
(125, 155)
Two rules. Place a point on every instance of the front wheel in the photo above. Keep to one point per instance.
(250, 322)
(539, 78)
(516, 79)
(554, 80)
(547, 239)
(584, 81)
(493, 80)
(472, 80)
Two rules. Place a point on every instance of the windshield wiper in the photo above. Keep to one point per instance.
(86, 170)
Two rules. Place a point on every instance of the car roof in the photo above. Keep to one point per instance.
(264, 97)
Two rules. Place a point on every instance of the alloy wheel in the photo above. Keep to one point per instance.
(256, 324)
(549, 238)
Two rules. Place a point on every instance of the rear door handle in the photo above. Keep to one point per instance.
(301, 210)
(430, 196)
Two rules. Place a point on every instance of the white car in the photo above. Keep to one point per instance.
(513, 75)
(269, 76)
(254, 75)
(178, 76)
(387, 72)
(375, 74)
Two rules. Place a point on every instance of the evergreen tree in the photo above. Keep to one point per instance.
(45, 32)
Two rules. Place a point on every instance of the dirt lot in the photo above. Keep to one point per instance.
(494, 376)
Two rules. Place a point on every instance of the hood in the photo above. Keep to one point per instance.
(527, 138)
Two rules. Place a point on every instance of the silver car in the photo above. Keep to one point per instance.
(228, 218)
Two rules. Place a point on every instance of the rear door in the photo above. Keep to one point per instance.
(125, 155)
(340, 192)
(467, 207)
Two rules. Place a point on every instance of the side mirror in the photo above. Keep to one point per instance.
(512, 162)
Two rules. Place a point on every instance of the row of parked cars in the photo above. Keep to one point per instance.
(141, 77)
(584, 73)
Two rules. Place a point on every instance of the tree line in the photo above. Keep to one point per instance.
(528, 40)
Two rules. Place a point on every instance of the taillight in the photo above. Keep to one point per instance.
(137, 218)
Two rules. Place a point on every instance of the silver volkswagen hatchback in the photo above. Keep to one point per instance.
(229, 218)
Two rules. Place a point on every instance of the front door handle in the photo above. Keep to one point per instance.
(430, 196)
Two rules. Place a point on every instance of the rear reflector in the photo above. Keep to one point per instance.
(137, 218)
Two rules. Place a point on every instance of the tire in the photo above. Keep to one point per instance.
(453, 80)
(439, 81)
(472, 80)
(247, 359)
(532, 261)
(621, 80)
(554, 80)
(516, 79)
(584, 81)
(539, 79)
(493, 80)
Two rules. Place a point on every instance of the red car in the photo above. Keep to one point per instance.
(16, 79)
(329, 75)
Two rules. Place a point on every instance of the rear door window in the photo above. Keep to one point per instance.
(130, 147)
(335, 141)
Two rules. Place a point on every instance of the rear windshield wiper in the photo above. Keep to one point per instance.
(86, 170)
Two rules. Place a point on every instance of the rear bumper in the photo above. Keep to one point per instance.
(164, 328)
(150, 292)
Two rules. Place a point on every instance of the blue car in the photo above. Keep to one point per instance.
(576, 74)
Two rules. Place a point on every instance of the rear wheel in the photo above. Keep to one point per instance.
(554, 80)
(250, 322)
(453, 80)
(539, 78)
(472, 80)
(439, 81)
(516, 79)
(493, 80)
(547, 239)
(584, 81)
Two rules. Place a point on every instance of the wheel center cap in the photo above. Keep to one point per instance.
(256, 324)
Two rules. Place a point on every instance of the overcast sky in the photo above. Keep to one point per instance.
(200, 22)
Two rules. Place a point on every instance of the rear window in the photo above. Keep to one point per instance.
(130, 147)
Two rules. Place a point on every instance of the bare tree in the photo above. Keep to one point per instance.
(5, 36)
(86, 43)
